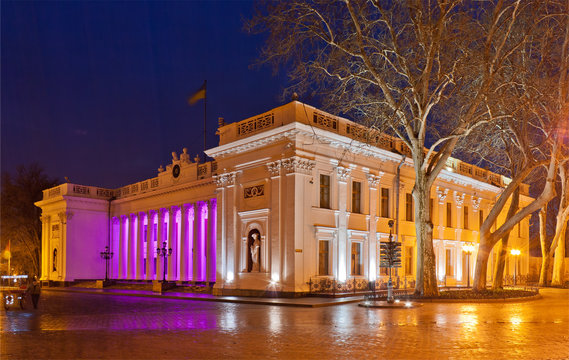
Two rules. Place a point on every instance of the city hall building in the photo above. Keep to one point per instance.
(295, 198)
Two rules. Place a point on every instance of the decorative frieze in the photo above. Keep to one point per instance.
(298, 164)
(254, 191)
(441, 194)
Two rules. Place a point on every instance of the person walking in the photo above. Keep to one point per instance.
(35, 290)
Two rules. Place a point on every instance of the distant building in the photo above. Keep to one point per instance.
(296, 199)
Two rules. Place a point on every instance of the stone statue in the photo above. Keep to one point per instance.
(184, 156)
(174, 156)
(255, 251)
(54, 260)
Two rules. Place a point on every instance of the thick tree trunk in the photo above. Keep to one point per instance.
(544, 272)
(557, 279)
(480, 271)
(545, 258)
(502, 251)
(427, 278)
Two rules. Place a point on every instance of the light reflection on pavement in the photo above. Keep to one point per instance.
(93, 326)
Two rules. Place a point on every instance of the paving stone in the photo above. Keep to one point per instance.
(86, 326)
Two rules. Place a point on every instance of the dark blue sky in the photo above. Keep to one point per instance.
(97, 90)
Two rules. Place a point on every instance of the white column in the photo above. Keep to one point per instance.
(195, 243)
(159, 240)
(121, 254)
(211, 243)
(172, 243)
(275, 215)
(199, 264)
(343, 175)
(150, 249)
(373, 181)
(140, 246)
(184, 246)
(131, 246)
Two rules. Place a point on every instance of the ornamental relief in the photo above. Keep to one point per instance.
(254, 191)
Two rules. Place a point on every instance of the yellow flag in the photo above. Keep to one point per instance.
(198, 95)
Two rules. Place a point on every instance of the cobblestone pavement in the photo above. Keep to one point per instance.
(73, 326)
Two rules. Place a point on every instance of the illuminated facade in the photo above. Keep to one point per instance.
(295, 195)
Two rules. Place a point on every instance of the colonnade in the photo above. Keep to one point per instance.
(188, 229)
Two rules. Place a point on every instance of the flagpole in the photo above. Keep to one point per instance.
(204, 117)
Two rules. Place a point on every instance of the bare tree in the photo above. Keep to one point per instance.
(533, 128)
(20, 218)
(556, 247)
(421, 70)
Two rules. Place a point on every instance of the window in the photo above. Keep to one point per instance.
(448, 263)
(480, 218)
(409, 207)
(325, 191)
(384, 202)
(356, 196)
(408, 260)
(449, 214)
(356, 258)
(431, 209)
(323, 257)
(465, 224)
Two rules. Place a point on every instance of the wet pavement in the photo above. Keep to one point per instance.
(89, 326)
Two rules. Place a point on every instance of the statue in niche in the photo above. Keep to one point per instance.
(254, 245)
(255, 252)
(54, 265)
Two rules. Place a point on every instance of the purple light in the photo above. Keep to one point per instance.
(213, 240)
(202, 239)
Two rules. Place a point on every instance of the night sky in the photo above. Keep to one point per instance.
(97, 90)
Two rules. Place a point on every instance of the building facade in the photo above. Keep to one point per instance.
(295, 198)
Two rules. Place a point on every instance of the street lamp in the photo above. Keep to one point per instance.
(107, 255)
(164, 252)
(468, 249)
(515, 253)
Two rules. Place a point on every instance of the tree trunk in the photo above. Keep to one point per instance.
(557, 279)
(545, 258)
(544, 272)
(480, 271)
(502, 251)
(426, 284)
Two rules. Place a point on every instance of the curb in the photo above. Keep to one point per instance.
(467, 301)
(190, 298)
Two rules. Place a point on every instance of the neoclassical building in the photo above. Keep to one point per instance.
(295, 196)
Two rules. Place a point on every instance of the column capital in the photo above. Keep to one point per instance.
(441, 194)
(274, 168)
(459, 198)
(373, 180)
(343, 173)
(476, 203)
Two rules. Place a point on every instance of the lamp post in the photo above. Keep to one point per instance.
(515, 253)
(164, 252)
(107, 255)
(468, 249)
